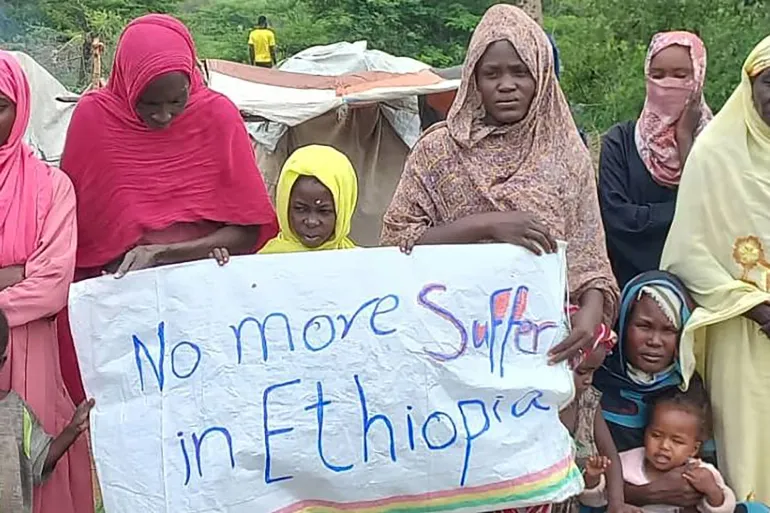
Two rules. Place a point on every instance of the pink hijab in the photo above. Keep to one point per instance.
(131, 180)
(666, 101)
(26, 187)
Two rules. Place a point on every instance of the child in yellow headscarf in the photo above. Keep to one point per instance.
(315, 200)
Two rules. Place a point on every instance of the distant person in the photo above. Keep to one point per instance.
(37, 261)
(262, 45)
(642, 160)
(170, 175)
(718, 246)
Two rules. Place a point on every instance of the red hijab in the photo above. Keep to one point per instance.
(26, 188)
(131, 180)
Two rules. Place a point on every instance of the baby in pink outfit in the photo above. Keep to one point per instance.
(671, 443)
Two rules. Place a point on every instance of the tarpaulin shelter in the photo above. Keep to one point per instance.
(362, 102)
(49, 117)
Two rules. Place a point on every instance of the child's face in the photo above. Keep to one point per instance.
(651, 339)
(671, 438)
(584, 373)
(312, 214)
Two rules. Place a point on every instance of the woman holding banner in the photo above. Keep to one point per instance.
(509, 166)
(162, 166)
(37, 260)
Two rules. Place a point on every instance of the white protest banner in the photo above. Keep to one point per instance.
(361, 380)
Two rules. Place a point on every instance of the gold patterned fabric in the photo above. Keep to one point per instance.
(717, 246)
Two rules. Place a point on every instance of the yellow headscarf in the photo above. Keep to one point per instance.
(719, 243)
(334, 170)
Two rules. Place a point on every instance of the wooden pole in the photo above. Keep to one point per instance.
(97, 48)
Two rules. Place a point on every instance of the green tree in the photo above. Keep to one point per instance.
(604, 43)
(83, 20)
(59, 34)
(435, 31)
(221, 27)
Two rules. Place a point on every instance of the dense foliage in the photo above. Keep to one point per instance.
(602, 42)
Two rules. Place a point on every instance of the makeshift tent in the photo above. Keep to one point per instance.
(362, 102)
(49, 118)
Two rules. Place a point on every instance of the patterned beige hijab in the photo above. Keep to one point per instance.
(538, 165)
(549, 121)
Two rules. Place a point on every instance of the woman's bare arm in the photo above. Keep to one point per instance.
(615, 493)
(11, 275)
(237, 239)
(667, 490)
(463, 231)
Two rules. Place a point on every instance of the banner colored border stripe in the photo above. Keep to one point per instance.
(526, 489)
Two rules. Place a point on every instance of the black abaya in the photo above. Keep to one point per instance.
(636, 211)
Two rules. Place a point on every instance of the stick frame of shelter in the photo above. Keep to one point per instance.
(534, 8)
(97, 49)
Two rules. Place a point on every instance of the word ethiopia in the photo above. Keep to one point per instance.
(469, 421)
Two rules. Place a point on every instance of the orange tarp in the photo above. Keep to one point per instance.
(343, 85)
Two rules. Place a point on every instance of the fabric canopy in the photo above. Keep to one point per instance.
(294, 98)
(49, 118)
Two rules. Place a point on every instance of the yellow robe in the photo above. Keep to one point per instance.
(334, 170)
(717, 246)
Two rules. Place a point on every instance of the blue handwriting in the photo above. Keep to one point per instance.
(158, 365)
(525, 333)
(465, 424)
(317, 333)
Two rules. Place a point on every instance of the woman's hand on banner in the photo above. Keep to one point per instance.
(521, 229)
(221, 255)
(585, 325)
(141, 257)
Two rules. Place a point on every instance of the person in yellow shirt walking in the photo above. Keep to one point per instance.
(262, 45)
